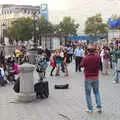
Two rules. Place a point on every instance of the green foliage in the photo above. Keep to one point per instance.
(67, 26)
(45, 26)
(21, 29)
(95, 26)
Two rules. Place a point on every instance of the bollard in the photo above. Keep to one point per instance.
(26, 83)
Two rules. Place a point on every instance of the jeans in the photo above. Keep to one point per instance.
(116, 76)
(92, 84)
(116, 71)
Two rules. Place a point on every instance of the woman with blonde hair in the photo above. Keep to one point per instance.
(58, 62)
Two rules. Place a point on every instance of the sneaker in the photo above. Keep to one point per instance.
(88, 111)
(99, 110)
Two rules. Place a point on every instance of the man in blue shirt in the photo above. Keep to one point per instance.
(78, 53)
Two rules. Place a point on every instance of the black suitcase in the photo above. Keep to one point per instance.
(2, 81)
(16, 86)
(42, 89)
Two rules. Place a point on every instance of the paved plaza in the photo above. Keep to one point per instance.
(62, 104)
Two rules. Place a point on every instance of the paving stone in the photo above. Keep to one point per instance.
(70, 103)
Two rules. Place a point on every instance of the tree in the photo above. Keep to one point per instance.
(67, 26)
(21, 29)
(94, 25)
(45, 26)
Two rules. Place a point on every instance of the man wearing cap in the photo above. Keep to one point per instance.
(91, 73)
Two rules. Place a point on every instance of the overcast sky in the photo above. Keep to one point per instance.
(65, 4)
(82, 6)
(53, 4)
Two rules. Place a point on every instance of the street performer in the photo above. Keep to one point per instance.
(91, 64)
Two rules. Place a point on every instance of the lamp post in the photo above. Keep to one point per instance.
(34, 30)
(33, 51)
(3, 27)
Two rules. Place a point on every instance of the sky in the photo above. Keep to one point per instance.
(53, 4)
(86, 7)
(78, 9)
(64, 4)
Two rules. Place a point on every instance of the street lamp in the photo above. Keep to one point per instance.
(35, 28)
(33, 51)
(3, 27)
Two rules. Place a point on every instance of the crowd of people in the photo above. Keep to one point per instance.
(93, 57)
(62, 56)
(9, 65)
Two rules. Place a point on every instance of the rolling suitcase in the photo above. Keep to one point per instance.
(16, 86)
(42, 89)
(2, 81)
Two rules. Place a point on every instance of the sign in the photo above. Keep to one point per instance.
(44, 10)
(113, 34)
(90, 38)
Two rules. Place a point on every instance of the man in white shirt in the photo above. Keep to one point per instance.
(78, 57)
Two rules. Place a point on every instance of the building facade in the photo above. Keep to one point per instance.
(9, 13)
(113, 35)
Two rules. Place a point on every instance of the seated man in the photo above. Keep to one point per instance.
(14, 70)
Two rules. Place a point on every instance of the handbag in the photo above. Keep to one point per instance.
(52, 63)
